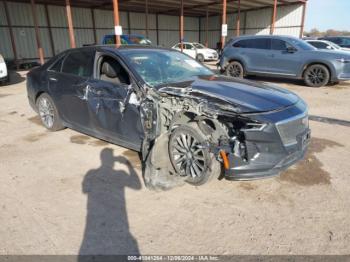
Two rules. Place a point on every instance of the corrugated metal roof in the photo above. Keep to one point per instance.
(191, 7)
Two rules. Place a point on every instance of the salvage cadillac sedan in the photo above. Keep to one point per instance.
(185, 121)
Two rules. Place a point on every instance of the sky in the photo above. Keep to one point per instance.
(328, 14)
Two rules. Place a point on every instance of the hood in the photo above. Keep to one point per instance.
(208, 50)
(334, 53)
(244, 96)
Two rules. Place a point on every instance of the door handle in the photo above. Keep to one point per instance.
(53, 79)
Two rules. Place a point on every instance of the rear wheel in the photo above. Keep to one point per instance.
(235, 69)
(48, 113)
(200, 58)
(316, 75)
(189, 157)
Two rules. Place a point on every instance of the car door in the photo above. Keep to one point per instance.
(285, 58)
(190, 50)
(255, 53)
(114, 104)
(68, 86)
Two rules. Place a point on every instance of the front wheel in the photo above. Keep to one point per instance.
(48, 113)
(200, 58)
(235, 69)
(316, 75)
(189, 157)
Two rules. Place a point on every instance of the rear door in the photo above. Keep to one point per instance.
(68, 87)
(282, 61)
(255, 53)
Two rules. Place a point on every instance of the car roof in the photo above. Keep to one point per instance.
(263, 36)
(121, 48)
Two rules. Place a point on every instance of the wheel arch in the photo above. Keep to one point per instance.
(330, 69)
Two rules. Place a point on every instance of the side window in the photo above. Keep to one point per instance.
(279, 45)
(110, 70)
(57, 66)
(79, 63)
(240, 44)
(260, 43)
(188, 47)
(345, 41)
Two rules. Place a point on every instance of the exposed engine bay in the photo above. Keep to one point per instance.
(219, 126)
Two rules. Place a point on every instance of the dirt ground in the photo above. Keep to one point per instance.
(67, 193)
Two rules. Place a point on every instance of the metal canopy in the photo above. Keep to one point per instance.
(171, 7)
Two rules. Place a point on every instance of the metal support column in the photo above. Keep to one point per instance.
(93, 25)
(70, 24)
(303, 21)
(182, 24)
(146, 17)
(37, 33)
(116, 20)
(52, 45)
(238, 19)
(223, 22)
(206, 27)
(273, 19)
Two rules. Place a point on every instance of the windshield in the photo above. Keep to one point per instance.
(301, 44)
(199, 46)
(334, 45)
(159, 67)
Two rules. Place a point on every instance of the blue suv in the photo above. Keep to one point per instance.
(284, 56)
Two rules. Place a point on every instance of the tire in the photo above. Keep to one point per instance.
(48, 113)
(197, 164)
(235, 69)
(316, 75)
(200, 58)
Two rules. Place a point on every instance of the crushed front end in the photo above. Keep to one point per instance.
(268, 144)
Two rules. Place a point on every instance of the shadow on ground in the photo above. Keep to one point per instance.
(107, 227)
(15, 78)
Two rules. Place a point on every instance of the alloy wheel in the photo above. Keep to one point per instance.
(46, 112)
(188, 155)
(235, 70)
(316, 75)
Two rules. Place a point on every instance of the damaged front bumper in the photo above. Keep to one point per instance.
(280, 144)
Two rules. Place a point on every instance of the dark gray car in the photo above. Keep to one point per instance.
(284, 56)
(186, 122)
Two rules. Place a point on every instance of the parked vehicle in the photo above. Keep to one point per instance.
(4, 77)
(197, 51)
(127, 40)
(326, 45)
(342, 41)
(284, 56)
(186, 121)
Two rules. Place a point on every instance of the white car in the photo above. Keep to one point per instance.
(3, 71)
(197, 51)
(328, 45)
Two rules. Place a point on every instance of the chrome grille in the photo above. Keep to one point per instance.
(291, 128)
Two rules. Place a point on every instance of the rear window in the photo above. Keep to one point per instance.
(259, 43)
(79, 63)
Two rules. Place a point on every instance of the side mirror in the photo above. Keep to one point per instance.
(329, 47)
(291, 50)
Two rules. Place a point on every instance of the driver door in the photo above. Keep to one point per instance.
(114, 105)
(282, 61)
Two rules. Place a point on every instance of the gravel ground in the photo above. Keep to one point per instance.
(67, 193)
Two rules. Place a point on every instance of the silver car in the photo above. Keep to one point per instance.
(284, 56)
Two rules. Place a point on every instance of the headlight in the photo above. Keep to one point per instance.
(343, 60)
